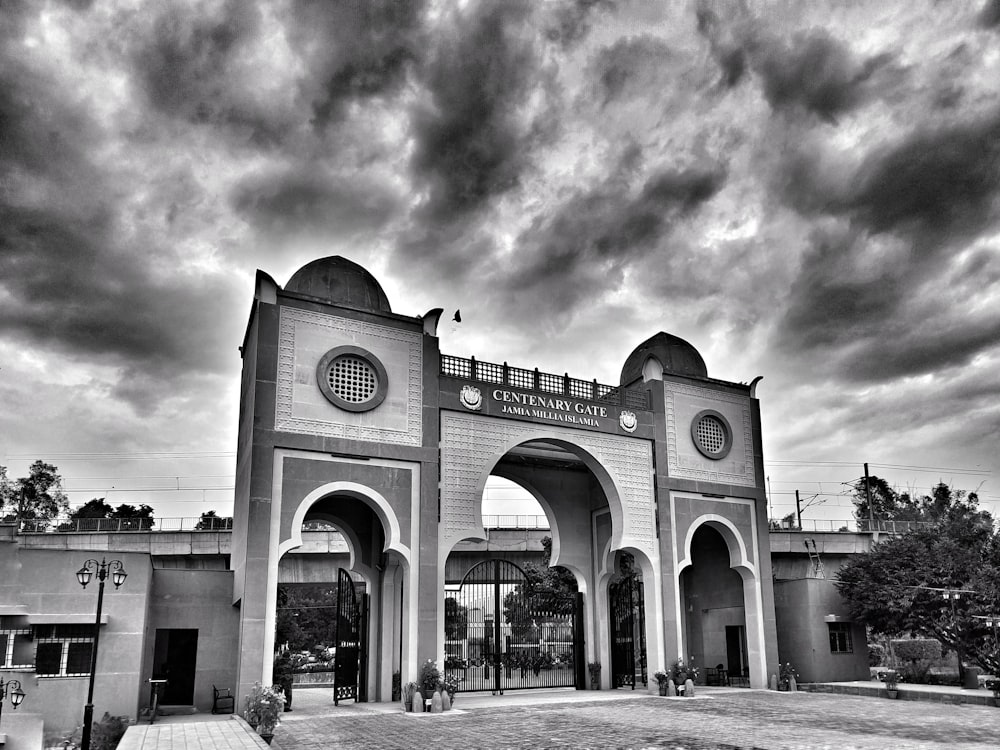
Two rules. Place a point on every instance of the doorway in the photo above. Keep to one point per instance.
(736, 655)
(175, 653)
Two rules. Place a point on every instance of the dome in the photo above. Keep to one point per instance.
(676, 355)
(340, 282)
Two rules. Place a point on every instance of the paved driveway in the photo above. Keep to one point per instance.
(715, 719)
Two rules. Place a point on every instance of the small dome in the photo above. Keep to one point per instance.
(340, 282)
(676, 355)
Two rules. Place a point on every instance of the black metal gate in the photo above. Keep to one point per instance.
(628, 632)
(350, 663)
(503, 633)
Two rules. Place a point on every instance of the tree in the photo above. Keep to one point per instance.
(211, 522)
(38, 496)
(129, 517)
(889, 505)
(96, 508)
(548, 589)
(306, 615)
(898, 587)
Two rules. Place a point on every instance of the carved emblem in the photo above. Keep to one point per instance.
(628, 421)
(471, 398)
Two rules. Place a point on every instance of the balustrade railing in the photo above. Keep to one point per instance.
(546, 382)
(848, 526)
(115, 525)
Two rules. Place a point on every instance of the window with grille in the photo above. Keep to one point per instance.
(16, 648)
(840, 638)
(63, 650)
(711, 433)
(352, 378)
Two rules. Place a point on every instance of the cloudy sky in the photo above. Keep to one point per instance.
(804, 191)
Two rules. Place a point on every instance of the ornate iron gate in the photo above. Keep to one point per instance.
(628, 632)
(350, 662)
(503, 633)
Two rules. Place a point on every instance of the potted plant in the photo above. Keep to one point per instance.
(787, 677)
(430, 679)
(450, 684)
(406, 694)
(680, 673)
(662, 680)
(594, 668)
(891, 679)
(262, 709)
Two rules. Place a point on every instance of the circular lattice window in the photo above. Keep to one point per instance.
(711, 433)
(352, 378)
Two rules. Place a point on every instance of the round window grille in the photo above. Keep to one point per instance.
(352, 378)
(711, 433)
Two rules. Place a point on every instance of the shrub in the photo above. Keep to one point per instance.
(918, 653)
(430, 678)
(876, 654)
(397, 684)
(107, 733)
(913, 649)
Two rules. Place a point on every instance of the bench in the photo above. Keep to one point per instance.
(223, 700)
(717, 676)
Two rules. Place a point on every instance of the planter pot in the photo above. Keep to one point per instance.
(663, 689)
(892, 693)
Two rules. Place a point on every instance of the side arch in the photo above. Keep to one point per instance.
(738, 558)
(379, 505)
(740, 561)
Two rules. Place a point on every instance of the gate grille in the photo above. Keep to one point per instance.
(349, 679)
(628, 633)
(503, 633)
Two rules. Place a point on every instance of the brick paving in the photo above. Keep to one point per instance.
(716, 719)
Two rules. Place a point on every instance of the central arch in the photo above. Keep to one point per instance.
(474, 446)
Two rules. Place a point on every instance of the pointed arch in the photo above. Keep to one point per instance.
(373, 499)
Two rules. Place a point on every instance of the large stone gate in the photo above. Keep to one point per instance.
(350, 414)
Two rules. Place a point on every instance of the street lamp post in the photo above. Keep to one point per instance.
(116, 570)
(16, 694)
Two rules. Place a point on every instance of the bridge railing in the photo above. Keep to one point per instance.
(115, 525)
(535, 380)
(515, 522)
(848, 526)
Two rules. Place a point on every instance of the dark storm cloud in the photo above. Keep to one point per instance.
(815, 72)
(936, 180)
(471, 139)
(588, 242)
(939, 180)
(727, 51)
(71, 289)
(356, 50)
(630, 66)
(185, 63)
(571, 20)
(70, 284)
(809, 72)
(989, 17)
(307, 200)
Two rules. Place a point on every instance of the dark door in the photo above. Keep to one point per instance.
(350, 662)
(175, 653)
(736, 654)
